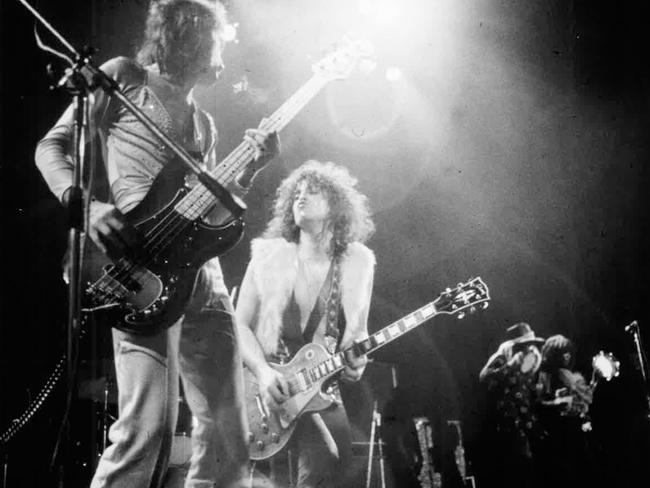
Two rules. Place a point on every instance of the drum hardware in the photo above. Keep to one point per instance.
(640, 358)
(375, 438)
(459, 455)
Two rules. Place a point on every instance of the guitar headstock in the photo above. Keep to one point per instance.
(464, 298)
(338, 64)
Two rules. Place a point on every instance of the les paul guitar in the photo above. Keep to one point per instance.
(312, 367)
(147, 293)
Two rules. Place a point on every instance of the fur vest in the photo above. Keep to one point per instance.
(274, 266)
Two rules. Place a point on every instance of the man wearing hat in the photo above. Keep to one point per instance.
(511, 375)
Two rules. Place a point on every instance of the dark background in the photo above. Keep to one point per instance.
(514, 148)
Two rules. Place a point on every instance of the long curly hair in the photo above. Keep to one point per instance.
(178, 32)
(349, 219)
(554, 350)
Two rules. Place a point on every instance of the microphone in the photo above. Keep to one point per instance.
(632, 326)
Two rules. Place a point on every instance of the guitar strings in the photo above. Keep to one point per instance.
(173, 223)
(240, 156)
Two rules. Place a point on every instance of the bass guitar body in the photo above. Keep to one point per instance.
(148, 291)
(271, 429)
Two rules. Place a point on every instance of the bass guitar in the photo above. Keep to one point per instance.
(147, 292)
(313, 367)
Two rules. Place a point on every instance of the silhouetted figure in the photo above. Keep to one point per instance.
(511, 375)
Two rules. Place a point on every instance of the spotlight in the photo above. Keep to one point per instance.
(393, 74)
(380, 11)
(367, 66)
(229, 32)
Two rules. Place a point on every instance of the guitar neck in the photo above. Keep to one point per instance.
(336, 362)
(199, 200)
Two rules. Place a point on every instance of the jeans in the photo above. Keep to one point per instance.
(203, 348)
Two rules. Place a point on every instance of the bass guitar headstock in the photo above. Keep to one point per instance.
(339, 63)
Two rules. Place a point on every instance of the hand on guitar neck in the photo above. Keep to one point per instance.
(266, 146)
(354, 367)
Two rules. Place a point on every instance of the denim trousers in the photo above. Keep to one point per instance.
(202, 347)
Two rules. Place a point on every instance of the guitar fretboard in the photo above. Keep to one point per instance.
(200, 200)
(336, 362)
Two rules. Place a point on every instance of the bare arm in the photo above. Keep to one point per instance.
(273, 386)
(107, 226)
(355, 366)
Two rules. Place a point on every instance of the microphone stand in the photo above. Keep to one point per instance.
(80, 79)
(633, 329)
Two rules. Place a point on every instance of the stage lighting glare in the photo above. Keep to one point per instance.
(379, 11)
(229, 33)
(366, 7)
(605, 366)
(393, 74)
(367, 66)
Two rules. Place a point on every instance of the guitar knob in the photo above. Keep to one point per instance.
(251, 437)
(265, 427)
(275, 437)
(260, 445)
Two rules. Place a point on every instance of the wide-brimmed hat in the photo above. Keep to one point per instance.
(521, 333)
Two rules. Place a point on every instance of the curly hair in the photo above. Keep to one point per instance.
(178, 32)
(554, 350)
(349, 220)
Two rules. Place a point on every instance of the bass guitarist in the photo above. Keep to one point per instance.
(310, 262)
(182, 47)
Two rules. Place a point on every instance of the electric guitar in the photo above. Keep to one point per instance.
(313, 367)
(148, 293)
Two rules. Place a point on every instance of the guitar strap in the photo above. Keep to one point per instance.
(328, 304)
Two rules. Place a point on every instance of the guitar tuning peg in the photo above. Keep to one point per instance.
(447, 290)
(485, 305)
(461, 315)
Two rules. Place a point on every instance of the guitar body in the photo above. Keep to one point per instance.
(270, 430)
(313, 367)
(148, 293)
